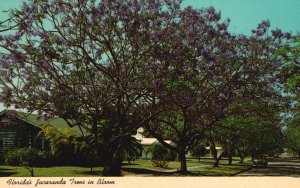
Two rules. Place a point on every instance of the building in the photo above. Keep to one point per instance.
(21, 130)
(147, 142)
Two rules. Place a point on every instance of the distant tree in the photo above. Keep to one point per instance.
(159, 155)
(292, 136)
(146, 151)
(133, 150)
(198, 89)
(291, 71)
(193, 86)
(253, 128)
(198, 151)
(291, 76)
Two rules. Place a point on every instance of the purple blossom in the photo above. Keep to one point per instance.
(277, 33)
(1, 63)
(288, 36)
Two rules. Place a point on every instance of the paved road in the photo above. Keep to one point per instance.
(291, 169)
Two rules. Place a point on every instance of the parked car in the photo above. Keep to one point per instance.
(260, 163)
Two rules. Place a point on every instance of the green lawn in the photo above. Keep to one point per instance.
(142, 163)
(222, 170)
(195, 168)
(61, 171)
(138, 167)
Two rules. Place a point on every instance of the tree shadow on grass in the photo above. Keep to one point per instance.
(6, 172)
(127, 164)
(90, 173)
(148, 172)
(279, 171)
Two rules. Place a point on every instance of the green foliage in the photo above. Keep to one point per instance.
(65, 144)
(26, 157)
(198, 151)
(147, 151)
(61, 140)
(171, 155)
(291, 71)
(292, 136)
(159, 152)
(252, 128)
(1, 158)
(133, 148)
(161, 155)
(160, 163)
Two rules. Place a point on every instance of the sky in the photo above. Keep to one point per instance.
(245, 15)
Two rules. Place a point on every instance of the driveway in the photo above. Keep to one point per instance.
(279, 168)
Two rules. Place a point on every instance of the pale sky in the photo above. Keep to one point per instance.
(244, 14)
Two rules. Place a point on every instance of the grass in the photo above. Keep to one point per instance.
(173, 165)
(58, 171)
(222, 170)
(195, 168)
(139, 167)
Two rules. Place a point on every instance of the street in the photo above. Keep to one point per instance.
(276, 168)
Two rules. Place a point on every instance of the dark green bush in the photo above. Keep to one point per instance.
(198, 151)
(1, 159)
(27, 157)
(171, 155)
(161, 155)
(159, 152)
(161, 164)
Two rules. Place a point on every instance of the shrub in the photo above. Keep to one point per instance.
(1, 159)
(27, 157)
(171, 155)
(66, 146)
(198, 151)
(159, 152)
(161, 164)
(161, 155)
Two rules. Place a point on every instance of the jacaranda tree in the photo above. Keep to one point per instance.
(112, 66)
(203, 70)
(87, 62)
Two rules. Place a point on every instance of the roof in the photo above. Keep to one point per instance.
(149, 141)
(217, 147)
(40, 122)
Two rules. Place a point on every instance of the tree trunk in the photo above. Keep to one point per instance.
(113, 168)
(183, 167)
(214, 151)
(112, 160)
(216, 163)
(229, 159)
(242, 157)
